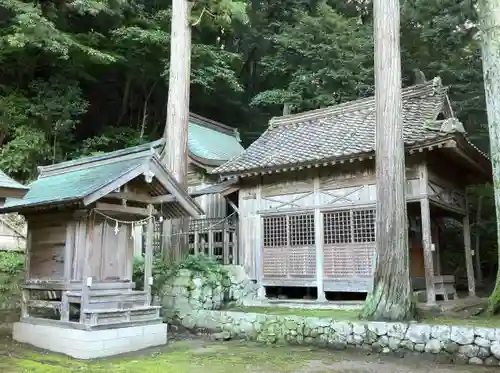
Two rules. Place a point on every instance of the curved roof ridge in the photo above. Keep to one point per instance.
(418, 90)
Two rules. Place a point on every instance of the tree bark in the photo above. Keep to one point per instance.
(175, 154)
(391, 298)
(489, 21)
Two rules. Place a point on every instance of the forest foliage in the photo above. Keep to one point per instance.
(85, 76)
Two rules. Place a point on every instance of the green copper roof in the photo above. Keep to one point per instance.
(73, 185)
(211, 144)
(7, 182)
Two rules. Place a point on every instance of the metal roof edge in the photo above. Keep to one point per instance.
(101, 157)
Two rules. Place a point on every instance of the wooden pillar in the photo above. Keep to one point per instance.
(210, 243)
(69, 245)
(86, 272)
(235, 243)
(25, 295)
(318, 239)
(437, 270)
(148, 258)
(259, 244)
(468, 257)
(427, 235)
(225, 233)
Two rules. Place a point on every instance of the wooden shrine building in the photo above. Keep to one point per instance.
(307, 194)
(78, 291)
(9, 188)
(210, 144)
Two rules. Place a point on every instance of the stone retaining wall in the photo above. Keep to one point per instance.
(190, 291)
(458, 344)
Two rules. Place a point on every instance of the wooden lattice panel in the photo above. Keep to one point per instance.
(274, 262)
(337, 227)
(363, 223)
(301, 262)
(289, 246)
(348, 261)
(275, 231)
(349, 243)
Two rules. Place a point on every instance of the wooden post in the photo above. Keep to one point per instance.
(69, 245)
(25, 296)
(236, 252)
(196, 242)
(87, 273)
(148, 259)
(318, 238)
(225, 232)
(210, 244)
(437, 270)
(468, 257)
(427, 235)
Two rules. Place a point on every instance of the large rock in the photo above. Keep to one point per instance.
(495, 349)
(462, 335)
(418, 333)
(469, 350)
(433, 346)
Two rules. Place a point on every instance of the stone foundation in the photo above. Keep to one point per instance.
(442, 343)
(194, 291)
(83, 344)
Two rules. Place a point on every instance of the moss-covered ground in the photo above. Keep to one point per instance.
(201, 356)
(353, 315)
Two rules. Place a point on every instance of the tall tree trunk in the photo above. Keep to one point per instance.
(391, 298)
(175, 154)
(489, 20)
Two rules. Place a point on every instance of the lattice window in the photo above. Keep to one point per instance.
(363, 222)
(275, 231)
(289, 246)
(337, 227)
(349, 226)
(301, 229)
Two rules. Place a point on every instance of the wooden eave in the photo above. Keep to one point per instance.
(444, 142)
(13, 192)
(474, 158)
(180, 195)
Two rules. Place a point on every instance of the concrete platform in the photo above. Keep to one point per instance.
(84, 344)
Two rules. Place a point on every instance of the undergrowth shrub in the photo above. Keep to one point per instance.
(11, 274)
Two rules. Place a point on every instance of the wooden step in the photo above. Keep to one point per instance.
(117, 316)
(108, 310)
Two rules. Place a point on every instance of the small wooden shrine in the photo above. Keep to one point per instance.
(79, 253)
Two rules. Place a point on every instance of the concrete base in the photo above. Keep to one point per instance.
(83, 344)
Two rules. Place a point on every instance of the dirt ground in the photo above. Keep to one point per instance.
(200, 355)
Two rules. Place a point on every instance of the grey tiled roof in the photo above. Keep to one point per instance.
(338, 131)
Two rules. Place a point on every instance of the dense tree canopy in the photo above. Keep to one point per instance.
(78, 77)
(85, 76)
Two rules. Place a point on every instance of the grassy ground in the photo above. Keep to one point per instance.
(478, 321)
(199, 356)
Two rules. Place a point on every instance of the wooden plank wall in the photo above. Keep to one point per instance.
(48, 237)
(330, 188)
(214, 205)
(111, 254)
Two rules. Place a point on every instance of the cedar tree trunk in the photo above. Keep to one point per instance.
(489, 21)
(391, 298)
(175, 154)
